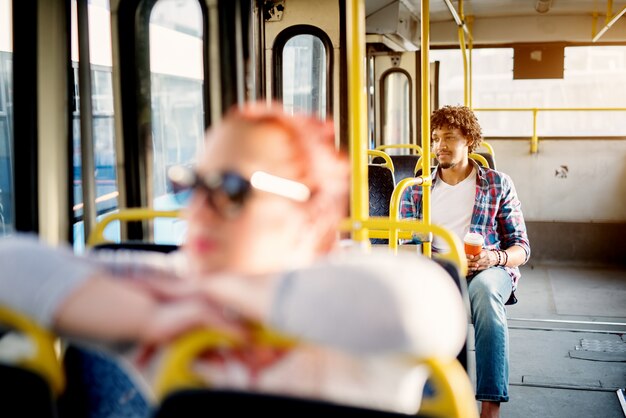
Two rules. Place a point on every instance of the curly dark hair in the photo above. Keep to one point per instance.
(460, 117)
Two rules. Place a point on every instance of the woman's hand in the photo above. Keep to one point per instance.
(173, 319)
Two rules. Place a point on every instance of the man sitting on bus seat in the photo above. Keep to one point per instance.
(469, 198)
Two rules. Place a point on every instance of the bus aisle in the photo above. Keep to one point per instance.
(567, 342)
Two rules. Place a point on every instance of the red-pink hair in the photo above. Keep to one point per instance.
(319, 164)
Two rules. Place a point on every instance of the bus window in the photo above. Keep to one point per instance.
(176, 91)
(6, 119)
(450, 75)
(594, 76)
(304, 78)
(396, 110)
(103, 134)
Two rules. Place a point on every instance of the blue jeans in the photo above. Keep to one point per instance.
(488, 291)
(98, 387)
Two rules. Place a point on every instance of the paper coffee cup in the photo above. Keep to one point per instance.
(473, 243)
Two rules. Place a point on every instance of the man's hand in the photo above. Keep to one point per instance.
(481, 262)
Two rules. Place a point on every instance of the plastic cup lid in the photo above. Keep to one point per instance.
(473, 238)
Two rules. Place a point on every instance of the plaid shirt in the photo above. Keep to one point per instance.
(497, 214)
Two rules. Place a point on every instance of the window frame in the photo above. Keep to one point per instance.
(277, 59)
(383, 103)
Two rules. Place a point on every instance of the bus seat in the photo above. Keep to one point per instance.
(136, 246)
(452, 396)
(490, 160)
(404, 165)
(476, 156)
(31, 377)
(487, 148)
(512, 299)
(455, 274)
(25, 393)
(126, 215)
(381, 183)
(195, 403)
(183, 393)
(382, 158)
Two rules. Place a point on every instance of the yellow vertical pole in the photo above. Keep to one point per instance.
(425, 64)
(594, 23)
(470, 21)
(464, 52)
(357, 114)
(609, 10)
(534, 141)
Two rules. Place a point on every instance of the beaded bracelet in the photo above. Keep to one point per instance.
(498, 256)
(506, 258)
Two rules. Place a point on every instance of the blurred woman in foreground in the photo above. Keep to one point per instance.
(265, 199)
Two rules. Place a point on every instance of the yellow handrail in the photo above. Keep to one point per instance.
(454, 393)
(127, 215)
(414, 147)
(43, 359)
(418, 165)
(489, 148)
(176, 371)
(456, 254)
(479, 158)
(385, 156)
(395, 202)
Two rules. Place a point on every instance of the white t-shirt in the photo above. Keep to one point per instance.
(452, 207)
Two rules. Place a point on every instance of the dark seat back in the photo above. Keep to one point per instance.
(222, 403)
(25, 394)
(137, 246)
(404, 165)
(489, 158)
(381, 184)
(454, 273)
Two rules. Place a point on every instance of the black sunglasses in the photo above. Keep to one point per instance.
(227, 191)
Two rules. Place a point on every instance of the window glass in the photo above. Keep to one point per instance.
(450, 75)
(304, 75)
(6, 119)
(396, 112)
(594, 76)
(176, 89)
(103, 135)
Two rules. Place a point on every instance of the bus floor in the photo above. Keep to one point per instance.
(567, 343)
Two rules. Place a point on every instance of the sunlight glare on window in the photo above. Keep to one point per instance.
(397, 105)
(177, 100)
(594, 77)
(304, 75)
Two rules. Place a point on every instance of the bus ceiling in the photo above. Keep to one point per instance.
(395, 23)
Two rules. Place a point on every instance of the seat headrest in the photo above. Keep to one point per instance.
(377, 303)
